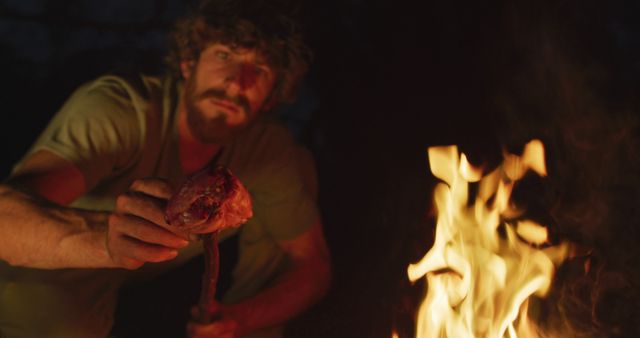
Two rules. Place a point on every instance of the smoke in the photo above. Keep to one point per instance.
(560, 83)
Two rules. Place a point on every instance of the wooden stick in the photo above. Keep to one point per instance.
(210, 276)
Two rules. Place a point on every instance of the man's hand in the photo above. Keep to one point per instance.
(138, 232)
(225, 326)
(297, 289)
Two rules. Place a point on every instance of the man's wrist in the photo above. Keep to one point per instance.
(88, 247)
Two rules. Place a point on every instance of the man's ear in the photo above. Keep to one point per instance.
(186, 68)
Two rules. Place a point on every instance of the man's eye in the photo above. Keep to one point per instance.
(222, 55)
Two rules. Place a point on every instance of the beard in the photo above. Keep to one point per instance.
(208, 130)
(211, 130)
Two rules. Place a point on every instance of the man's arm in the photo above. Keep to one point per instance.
(36, 230)
(36, 233)
(304, 284)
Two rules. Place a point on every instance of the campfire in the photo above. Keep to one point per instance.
(488, 259)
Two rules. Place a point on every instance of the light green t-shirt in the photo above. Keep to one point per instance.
(117, 130)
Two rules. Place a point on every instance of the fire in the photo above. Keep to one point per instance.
(486, 261)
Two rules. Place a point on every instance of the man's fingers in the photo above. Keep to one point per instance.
(155, 187)
(214, 310)
(147, 207)
(144, 231)
(218, 329)
(130, 264)
(142, 205)
(136, 250)
(138, 232)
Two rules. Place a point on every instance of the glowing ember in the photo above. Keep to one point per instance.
(479, 278)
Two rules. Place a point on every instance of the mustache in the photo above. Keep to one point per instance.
(220, 94)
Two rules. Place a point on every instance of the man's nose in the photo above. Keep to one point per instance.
(243, 75)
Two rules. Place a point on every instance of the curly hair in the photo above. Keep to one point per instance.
(255, 24)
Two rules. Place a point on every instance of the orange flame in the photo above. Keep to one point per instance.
(479, 282)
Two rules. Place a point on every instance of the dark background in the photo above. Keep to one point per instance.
(391, 78)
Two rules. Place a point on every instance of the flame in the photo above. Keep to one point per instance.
(479, 281)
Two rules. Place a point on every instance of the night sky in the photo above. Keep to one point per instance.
(390, 79)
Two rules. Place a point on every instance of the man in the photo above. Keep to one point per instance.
(89, 196)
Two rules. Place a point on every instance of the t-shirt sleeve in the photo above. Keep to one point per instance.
(96, 129)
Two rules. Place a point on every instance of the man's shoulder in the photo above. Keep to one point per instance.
(125, 85)
(115, 96)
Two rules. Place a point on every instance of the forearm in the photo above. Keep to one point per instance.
(294, 292)
(38, 234)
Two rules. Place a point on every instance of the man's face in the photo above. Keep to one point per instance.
(225, 90)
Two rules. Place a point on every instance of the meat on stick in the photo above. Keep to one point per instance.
(208, 201)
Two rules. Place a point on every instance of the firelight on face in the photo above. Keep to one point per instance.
(225, 91)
